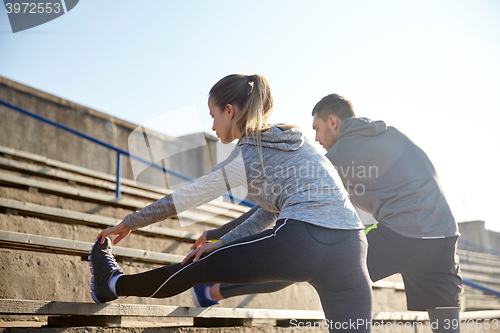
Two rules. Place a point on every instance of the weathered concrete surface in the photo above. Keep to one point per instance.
(44, 276)
(67, 278)
(28, 134)
(48, 276)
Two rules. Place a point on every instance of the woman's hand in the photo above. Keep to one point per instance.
(198, 252)
(120, 229)
(202, 240)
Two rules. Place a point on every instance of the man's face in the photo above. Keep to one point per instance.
(326, 131)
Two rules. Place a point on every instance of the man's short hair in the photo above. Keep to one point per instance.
(334, 104)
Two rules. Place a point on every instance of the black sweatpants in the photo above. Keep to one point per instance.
(333, 261)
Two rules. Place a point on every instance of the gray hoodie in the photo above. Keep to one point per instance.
(388, 175)
(293, 180)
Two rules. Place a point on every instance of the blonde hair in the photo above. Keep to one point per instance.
(252, 95)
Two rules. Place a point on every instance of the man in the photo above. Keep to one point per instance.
(389, 176)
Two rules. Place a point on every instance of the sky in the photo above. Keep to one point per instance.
(429, 68)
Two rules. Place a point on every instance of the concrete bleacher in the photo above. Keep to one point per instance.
(50, 213)
(57, 192)
(482, 268)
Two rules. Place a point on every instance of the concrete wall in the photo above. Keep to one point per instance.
(184, 155)
(475, 232)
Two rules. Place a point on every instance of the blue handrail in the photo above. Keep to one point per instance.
(481, 287)
(474, 284)
(119, 152)
(469, 244)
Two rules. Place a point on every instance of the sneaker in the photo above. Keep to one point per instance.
(103, 267)
(199, 298)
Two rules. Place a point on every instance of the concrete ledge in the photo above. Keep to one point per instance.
(26, 307)
(50, 244)
(481, 301)
(480, 269)
(71, 192)
(9, 306)
(57, 245)
(68, 216)
(88, 181)
(400, 286)
(477, 254)
(477, 258)
(96, 175)
(490, 281)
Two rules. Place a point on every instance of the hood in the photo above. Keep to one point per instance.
(276, 138)
(361, 126)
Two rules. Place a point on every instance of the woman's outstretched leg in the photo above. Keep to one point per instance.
(293, 251)
(264, 257)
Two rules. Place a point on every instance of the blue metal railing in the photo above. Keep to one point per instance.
(121, 152)
(468, 245)
(481, 287)
(118, 151)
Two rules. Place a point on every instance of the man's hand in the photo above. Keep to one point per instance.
(198, 252)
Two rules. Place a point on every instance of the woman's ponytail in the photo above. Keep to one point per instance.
(255, 112)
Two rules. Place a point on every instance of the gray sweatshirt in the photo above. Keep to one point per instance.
(293, 180)
(389, 176)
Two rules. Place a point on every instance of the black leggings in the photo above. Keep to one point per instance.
(333, 261)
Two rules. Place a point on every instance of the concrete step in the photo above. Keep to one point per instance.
(10, 306)
(480, 269)
(61, 276)
(474, 302)
(385, 292)
(93, 178)
(139, 194)
(90, 196)
(53, 200)
(479, 258)
(30, 255)
(57, 245)
(484, 279)
(115, 312)
(91, 208)
(87, 233)
(71, 217)
(9, 239)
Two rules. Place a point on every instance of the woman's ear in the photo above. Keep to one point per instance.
(230, 111)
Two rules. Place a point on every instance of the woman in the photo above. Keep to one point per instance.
(317, 237)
